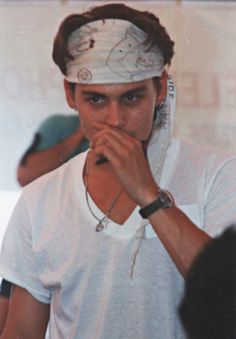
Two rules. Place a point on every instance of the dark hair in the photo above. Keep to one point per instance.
(148, 22)
(208, 308)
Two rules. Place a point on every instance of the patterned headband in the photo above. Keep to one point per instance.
(111, 51)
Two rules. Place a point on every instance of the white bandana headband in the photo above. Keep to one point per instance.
(111, 51)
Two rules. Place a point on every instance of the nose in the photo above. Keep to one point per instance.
(115, 115)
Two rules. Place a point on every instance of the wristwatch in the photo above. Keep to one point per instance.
(164, 200)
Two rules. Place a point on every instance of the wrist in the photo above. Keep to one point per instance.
(163, 200)
(149, 196)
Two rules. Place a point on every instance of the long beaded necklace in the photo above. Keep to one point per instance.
(102, 223)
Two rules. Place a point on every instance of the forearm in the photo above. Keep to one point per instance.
(42, 162)
(4, 304)
(182, 239)
(27, 317)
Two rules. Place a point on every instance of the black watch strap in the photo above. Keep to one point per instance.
(164, 200)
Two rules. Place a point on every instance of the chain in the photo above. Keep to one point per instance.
(103, 221)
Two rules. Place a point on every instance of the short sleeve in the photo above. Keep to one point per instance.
(220, 204)
(18, 263)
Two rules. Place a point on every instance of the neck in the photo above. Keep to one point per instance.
(105, 189)
(99, 175)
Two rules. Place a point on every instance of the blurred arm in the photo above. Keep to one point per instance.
(38, 163)
(4, 303)
(27, 317)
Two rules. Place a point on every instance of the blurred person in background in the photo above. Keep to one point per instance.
(58, 139)
(208, 307)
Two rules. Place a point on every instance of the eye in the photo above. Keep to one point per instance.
(96, 99)
(131, 98)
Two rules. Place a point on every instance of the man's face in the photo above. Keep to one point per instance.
(129, 107)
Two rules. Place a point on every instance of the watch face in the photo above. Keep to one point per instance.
(165, 199)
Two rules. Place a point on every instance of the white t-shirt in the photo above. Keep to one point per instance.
(51, 248)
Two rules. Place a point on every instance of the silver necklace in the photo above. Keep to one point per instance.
(102, 223)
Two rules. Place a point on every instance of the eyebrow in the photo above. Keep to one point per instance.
(141, 89)
(137, 90)
(85, 92)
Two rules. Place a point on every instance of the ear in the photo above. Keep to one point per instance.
(69, 94)
(163, 92)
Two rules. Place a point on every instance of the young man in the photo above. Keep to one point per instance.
(98, 244)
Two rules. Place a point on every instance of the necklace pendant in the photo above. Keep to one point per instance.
(99, 227)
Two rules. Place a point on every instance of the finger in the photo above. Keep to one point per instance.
(124, 147)
(123, 144)
(101, 126)
(108, 138)
(107, 152)
(110, 132)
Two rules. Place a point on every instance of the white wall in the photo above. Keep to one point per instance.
(204, 70)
